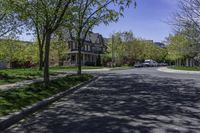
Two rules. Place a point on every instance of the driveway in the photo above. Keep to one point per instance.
(140, 100)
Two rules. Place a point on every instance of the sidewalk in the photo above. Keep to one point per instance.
(96, 70)
(168, 70)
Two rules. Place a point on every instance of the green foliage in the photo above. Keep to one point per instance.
(189, 68)
(127, 50)
(45, 17)
(59, 48)
(116, 48)
(180, 47)
(13, 100)
(14, 50)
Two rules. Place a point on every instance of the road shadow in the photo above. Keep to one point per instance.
(127, 103)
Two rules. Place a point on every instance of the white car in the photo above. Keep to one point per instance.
(150, 63)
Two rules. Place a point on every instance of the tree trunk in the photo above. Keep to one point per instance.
(79, 58)
(46, 60)
(191, 62)
(176, 62)
(186, 62)
(41, 54)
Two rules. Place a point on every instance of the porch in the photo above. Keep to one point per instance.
(87, 59)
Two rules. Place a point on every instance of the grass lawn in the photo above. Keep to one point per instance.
(15, 75)
(196, 68)
(8, 76)
(14, 100)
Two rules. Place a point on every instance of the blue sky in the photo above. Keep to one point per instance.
(147, 21)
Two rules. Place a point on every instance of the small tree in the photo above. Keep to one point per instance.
(59, 47)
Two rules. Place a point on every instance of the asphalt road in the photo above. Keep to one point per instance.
(141, 100)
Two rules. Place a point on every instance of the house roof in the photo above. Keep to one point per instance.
(93, 38)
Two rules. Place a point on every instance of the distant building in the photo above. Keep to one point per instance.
(94, 46)
(149, 41)
(162, 45)
(159, 44)
(3, 64)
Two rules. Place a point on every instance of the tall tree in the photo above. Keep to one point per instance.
(49, 16)
(8, 21)
(89, 13)
(187, 19)
(180, 47)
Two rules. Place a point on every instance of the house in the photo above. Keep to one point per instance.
(92, 49)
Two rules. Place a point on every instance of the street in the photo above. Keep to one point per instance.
(141, 100)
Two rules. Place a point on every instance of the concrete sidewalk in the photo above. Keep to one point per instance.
(96, 70)
(168, 70)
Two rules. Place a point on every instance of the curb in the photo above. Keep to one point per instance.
(13, 118)
(113, 69)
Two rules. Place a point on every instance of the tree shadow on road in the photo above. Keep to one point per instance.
(128, 103)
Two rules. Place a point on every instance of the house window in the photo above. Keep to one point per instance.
(73, 45)
(73, 58)
(69, 45)
(89, 48)
(76, 45)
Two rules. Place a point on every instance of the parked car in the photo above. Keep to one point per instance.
(150, 63)
(162, 64)
(137, 65)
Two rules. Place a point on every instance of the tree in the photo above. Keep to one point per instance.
(187, 17)
(8, 21)
(180, 47)
(127, 49)
(186, 22)
(13, 50)
(8, 50)
(50, 14)
(89, 13)
(59, 47)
